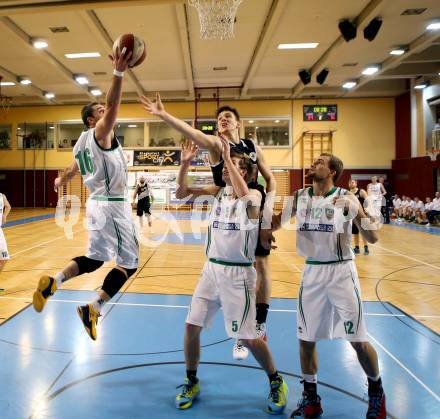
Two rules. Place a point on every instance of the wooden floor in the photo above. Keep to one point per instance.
(403, 268)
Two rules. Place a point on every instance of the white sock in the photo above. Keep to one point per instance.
(310, 378)
(59, 278)
(98, 303)
(374, 378)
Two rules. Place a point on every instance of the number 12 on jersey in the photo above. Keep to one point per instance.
(85, 162)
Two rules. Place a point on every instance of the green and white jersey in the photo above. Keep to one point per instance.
(104, 171)
(232, 237)
(323, 232)
(2, 207)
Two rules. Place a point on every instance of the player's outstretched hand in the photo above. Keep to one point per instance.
(121, 63)
(189, 151)
(154, 107)
(267, 239)
(57, 183)
(226, 148)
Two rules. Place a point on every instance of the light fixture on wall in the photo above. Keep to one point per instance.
(320, 78)
(421, 83)
(348, 29)
(372, 29)
(305, 76)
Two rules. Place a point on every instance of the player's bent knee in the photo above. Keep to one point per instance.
(360, 346)
(86, 265)
(192, 329)
(114, 281)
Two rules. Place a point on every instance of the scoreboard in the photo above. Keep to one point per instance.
(320, 112)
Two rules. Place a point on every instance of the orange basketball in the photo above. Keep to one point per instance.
(132, 44)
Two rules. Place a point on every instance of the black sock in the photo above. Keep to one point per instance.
(375, 386)
(274, 377)
(262, 310)
(311, 390)
(192, 376)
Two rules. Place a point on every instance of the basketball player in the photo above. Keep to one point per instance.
(142, 191)
(228, 124)
(5, 208)
(361, 195)
(376, 194)
(228, 278)
(100, 160)
(330, 303)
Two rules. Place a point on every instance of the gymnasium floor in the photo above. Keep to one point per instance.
(51, 369)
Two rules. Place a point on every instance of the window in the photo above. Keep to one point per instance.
(161, 135)
(69, 134)
(268, 132)
(35, 136)
(5, 136)
(130, 134)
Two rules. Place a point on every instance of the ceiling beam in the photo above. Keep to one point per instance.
(182, 23)
(31, 87)
(369, 12)
(66, 5)
(27, 39)
(93, 19)
(270, 24)
(419, 44)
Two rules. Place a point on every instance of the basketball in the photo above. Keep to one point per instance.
(132, 44)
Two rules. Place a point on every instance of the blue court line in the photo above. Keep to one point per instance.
(28, 220)
(416, 227)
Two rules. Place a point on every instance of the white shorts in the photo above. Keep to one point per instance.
(4, 254)
(112, 233)
(233, 289)
(330, 304)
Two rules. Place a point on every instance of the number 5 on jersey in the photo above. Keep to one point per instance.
(85, 162)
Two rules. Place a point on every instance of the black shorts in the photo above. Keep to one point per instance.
(260, 250)
(143, 206)
(354, 229)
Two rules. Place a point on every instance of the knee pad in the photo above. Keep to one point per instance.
(114, 281)
(86, 265)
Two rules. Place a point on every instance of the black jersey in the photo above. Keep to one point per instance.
(358, 196)
(143, 191)
(244, 146)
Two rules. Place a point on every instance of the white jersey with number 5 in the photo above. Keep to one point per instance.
(323, 231)
(104, 171)
(232, 236)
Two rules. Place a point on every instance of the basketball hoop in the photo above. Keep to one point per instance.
(5, 101)
(216, 17)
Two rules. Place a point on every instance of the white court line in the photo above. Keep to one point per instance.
(408, 257)
(436, 396)
(28, 299)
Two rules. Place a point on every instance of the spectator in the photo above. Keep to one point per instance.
(428, 207)
(418, 209)
(397, 203)
(435, 209)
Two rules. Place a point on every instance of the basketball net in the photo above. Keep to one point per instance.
(5, 102)
(216, 17)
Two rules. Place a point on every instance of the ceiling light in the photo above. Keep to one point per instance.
(320, 78)
(83, 55)
(251, 121)
(24, 80)
(7, 83)
(305, 76)
(349, 84)
(257, 127)
(372, 29)
(298, 46)
(81, 79)
(398, 50)
(348, 29)
(132, 126)
(51, 127)
(421, 84)
(277, 121)
(372, 69)
(39, 43)
(96, 92)
(434, 26)
(49, 95)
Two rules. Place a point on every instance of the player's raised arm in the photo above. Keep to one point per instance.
(189, 152)
(104, 127)
(208, 142)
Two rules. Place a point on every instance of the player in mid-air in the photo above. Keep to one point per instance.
(100, 160)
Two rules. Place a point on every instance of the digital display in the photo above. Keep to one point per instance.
(320, 112)
(207, 127)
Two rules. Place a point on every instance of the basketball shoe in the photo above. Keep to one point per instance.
(376, 406)
(261, 331)
(277, 398)
(239, 351)
(89, 318)
(308, 408)
(46, 287)
(190, 392)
